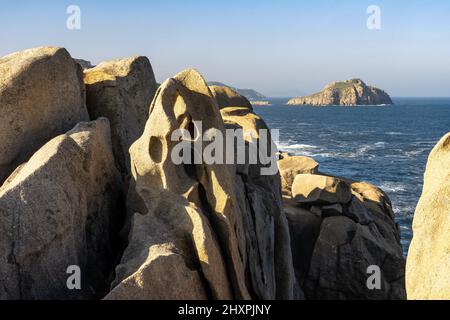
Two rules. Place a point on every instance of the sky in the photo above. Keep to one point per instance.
(278, 47)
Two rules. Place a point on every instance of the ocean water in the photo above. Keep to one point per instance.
(385, 145)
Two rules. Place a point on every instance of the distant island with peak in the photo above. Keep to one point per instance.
(352, 92)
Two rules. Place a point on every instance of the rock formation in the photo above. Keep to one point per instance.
(428, 263)
(227, 97)
(347, 93)
(42, 95)
(187, 230)
(121, 90)
(260, 202)
(339, 229)
(57, 210)
(249, 94)
(200, 221)
(290, 167)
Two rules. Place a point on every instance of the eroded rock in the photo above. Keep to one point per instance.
(206, 189)
(259, 197)
(60, 209)
(227, 97)
(428, 263)
(291, 166)
(219, 225)
(122, 91)
(311, 188)
(42, 95)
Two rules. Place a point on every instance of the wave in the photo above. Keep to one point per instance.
(394, 133)
(404, 211)
(416, 152)
(298, 146)
(316, 151)
(393, 187)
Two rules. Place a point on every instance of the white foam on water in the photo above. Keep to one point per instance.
(393, 187)
(314, 151)
(394, 133)
(297, 148)
(413, 153)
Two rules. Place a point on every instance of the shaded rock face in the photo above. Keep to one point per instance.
(42, 95)
(121, 90)
(338, 230)
(259, 197)
(348, 93)
(227, 97)
(428, 263)
(206, 225)
(57, 210)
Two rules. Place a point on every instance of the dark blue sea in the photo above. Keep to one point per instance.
(384, 145)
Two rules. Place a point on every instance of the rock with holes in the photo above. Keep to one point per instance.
(227, 97)
(291, 166)
(197, 221)
(42, 95)
(428, 263)
(122, 91)
(312, 188)
(259, 197)
(204, 237)
(61, 209)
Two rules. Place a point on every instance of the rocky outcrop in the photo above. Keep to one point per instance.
(214, 228)
(428, 263)
(57, 210)
(347, 93)
(121, 90)
(42, 95)
(249, 94)
(339, 229)
(311, 188)
(291, 166)
(260, 202)
(227, 97)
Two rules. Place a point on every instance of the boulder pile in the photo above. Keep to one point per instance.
(340, 229)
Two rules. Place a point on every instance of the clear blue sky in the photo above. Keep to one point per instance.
(281, 48)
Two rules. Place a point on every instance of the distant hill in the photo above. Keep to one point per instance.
(250, 94)
(345, 93)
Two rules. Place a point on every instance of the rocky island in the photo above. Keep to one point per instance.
(352, 92)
